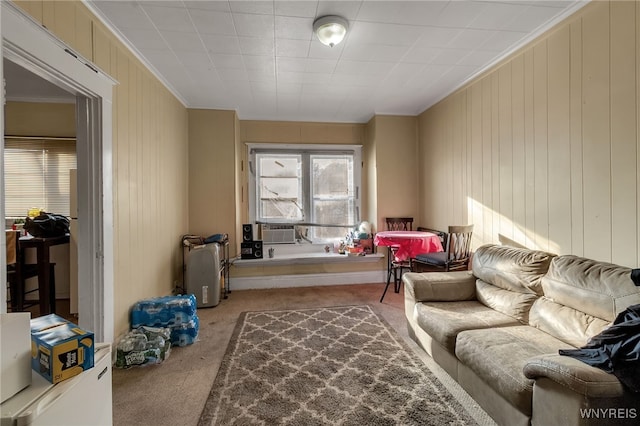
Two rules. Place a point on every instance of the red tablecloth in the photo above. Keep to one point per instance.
(409, 243)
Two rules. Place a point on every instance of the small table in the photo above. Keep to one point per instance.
(409, 243)
(404, 245)
(46, 291)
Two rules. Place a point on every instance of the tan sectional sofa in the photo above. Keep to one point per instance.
(497, 330)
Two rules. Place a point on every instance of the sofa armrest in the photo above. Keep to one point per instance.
(575, 375)
(440, 286)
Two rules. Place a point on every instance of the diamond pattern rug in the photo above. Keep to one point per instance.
(325, 366)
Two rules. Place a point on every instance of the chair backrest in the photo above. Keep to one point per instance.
(459, 242)
(441, 234)
(12, 246)
(399, 223)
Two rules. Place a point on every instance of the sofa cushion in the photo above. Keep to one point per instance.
(512, 303)
(444, 320)
(582, 297)
(498, 356)
(509, 278)
(599, 289)
(564, 323)
(510, 268)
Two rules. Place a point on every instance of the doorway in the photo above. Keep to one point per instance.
(32, 48)
(40, 152)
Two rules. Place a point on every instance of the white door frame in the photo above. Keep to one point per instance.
(29, 45)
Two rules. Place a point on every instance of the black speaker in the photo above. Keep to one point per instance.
(247, 232)
(251, 250)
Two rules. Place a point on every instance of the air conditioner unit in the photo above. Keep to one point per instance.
(278, 234)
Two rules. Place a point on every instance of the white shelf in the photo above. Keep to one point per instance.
(305, 259)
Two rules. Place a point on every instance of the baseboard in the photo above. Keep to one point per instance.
(306, 280)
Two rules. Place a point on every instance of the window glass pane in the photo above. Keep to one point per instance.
(281, 211)
(333, 201)
(279, 188)
(329, 233)
(332, 176)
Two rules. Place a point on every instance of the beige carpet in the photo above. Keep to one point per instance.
(175, 392)
(339, 365)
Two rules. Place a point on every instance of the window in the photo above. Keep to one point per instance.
(36, 174)
(312, 187)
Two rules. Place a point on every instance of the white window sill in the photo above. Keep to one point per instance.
(302, 254)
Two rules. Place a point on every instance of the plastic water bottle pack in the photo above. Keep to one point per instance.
(177, 313)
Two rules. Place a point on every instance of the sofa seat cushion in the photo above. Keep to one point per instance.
(444, 320)
(498, 357)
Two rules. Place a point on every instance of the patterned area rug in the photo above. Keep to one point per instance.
(325, 366)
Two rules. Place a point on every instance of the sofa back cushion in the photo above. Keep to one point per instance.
(582, 297)
(508, 278)
(512, 303)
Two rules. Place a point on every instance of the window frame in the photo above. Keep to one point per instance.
(306, 150)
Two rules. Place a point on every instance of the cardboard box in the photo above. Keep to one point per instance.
(15, 354)
(59, 348)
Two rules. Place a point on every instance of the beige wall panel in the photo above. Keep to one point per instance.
(369, 173)
(83, 37)
(575, 86)
(505, 154)
(331, 133)
(242, 209)
(212, 147)
(60, 18)
(573, 119)
(468, 192)
(458, 166)
(123, 282)
(102, 48)
(596, 132)
(529, 149)
(559, 140)
(518, 150)
(495, 154)
(624, 115)
(301, 132)
(396, 148)
(32, 7)
(40, 119)
(477, 160)
(486, 199)
(540, 138)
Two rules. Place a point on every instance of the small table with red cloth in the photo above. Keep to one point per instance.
(404, 245)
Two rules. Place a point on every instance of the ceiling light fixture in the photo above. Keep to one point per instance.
(330, 30)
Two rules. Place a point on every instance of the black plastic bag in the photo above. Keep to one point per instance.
(47, 225)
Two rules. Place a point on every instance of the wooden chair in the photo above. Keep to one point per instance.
(394, 267)
(441, 234)
(18, 271)
(456, 254)
(399, 223)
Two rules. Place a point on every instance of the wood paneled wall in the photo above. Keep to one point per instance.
(150, 159)
(543, 149)
(393, 141)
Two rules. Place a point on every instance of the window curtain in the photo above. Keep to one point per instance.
(36, 173)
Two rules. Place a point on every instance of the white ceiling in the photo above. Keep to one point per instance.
(261, 58)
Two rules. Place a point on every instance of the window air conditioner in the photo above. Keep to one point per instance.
(278, 234)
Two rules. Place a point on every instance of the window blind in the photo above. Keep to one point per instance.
(36, 173)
